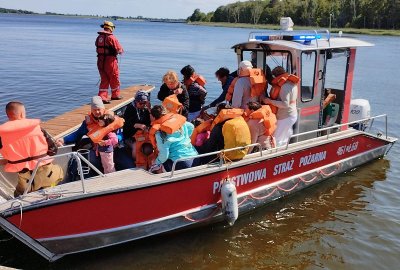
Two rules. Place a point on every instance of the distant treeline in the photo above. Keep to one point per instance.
(17, 11)
(375, 14)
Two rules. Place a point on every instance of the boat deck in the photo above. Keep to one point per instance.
(70, 121)
(139, 178)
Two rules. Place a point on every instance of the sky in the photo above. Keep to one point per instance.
(147, 8)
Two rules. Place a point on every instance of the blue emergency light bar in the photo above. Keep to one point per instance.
(305, 38)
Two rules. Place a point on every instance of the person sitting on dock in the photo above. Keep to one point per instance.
(107, 48)
(194, 84)
(171, 134)
(22, 144)
(172, 86)
(88, 126)
(228, 130)
(223, 75)
(283, 98)
(262, 124)
(137, 117)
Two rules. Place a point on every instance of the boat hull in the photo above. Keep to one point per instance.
(122, 216)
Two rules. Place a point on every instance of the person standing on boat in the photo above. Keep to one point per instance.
(22, 144)
(137, 117)
(171, 134)
(172, 86)
(242, 88)
(194, 84)
(283, 97)
(223, 75)
(122, 159)
(107, 48)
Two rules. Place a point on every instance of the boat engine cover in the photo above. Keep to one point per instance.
(359, 109)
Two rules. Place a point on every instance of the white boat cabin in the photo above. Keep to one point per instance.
(324, 64)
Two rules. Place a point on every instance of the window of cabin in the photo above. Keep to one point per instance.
(308, 64)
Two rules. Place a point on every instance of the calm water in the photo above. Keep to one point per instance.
(348, 222)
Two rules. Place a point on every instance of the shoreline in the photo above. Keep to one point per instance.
(373, 32)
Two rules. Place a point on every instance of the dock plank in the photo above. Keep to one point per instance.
(63, 124)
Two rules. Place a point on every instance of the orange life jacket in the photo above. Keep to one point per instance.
(226, 114)
(97, 133)
(277, 84)
(23, 144)
(102, 47)
(257, 81)
(195, 78)
(144, 160)
(169, 123)
(172, 104)
(268, 116)
(205, 126)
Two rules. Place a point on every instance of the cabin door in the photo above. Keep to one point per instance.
(333, 86)
(309, 99)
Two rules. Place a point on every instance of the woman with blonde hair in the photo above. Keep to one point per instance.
(172, 85)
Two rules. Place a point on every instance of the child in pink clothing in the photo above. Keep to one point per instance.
(201, 137)
(106, 146)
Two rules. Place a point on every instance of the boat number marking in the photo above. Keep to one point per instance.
(347, 148)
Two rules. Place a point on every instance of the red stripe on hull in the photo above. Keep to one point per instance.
(130, 207)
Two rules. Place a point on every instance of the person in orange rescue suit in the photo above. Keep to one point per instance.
(249, 86)
(170, 133)
(194, 84)
(107, 48)
(172, 86)
(90, 127)
(22, 144)
(228, 130)
(262, 124)
(283, 98)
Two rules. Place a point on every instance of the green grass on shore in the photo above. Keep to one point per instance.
(382, 32)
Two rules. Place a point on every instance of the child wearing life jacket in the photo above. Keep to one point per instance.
(105, 147)
(202, 136)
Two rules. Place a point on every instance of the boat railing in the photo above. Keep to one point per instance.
(329, 129)
(285, 147)
(77, 156)
(221, 153)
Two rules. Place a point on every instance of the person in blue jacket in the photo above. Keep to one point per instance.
(172, 147)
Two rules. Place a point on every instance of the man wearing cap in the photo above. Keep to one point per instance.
(97, 110)
(137, 117)
(242, 91)
(107, 48)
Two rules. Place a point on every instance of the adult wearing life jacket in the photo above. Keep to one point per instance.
(283, 96)
(172, 138)
(107, 48)
(90, 127)
(224, 77)
(137, 117)
(172, 86)
(243, 90)
(194, 84)
(262, 124)
(22, 144)
(228, 130)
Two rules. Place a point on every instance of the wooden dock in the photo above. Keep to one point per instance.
(66, 123)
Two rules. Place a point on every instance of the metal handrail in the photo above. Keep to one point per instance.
(215, 153)
(341, 125)
(78, 157)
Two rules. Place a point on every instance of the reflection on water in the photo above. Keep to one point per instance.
(322, 226)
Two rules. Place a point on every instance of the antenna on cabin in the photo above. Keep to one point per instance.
(286, 24)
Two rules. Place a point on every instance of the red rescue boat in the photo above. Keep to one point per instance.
(134, 204)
